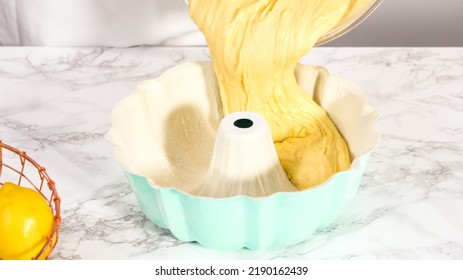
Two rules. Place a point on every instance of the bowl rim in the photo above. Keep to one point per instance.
(348, 26)
(354, 167)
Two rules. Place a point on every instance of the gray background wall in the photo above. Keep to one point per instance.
(123, 23)
(432, 23)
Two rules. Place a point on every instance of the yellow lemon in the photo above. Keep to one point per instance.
(25, 223)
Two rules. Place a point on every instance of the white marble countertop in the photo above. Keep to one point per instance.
(55, 105)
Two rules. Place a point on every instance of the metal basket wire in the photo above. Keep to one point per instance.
(17, 167)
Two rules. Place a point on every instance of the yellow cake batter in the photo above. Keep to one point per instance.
(255, 46)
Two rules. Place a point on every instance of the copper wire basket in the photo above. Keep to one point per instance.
(17, 167)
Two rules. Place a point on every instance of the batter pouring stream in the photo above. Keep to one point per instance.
(255, 46)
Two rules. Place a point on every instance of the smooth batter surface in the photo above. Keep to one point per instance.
(256, 45)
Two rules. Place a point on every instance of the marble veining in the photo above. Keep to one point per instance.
(55, 104)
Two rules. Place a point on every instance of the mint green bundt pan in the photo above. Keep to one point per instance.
(275, 221)
(279, 220)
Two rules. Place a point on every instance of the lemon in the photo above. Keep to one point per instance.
(25, 223)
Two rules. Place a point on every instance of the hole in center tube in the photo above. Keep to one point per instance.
(243, 123)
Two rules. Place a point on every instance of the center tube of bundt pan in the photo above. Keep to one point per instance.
(244, 161)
